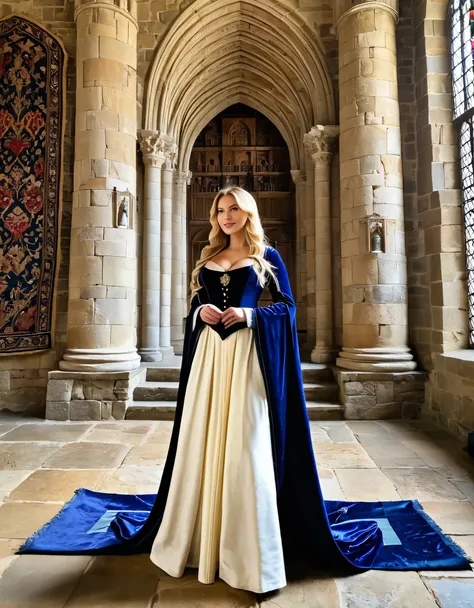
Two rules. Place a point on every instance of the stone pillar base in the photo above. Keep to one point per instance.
(381, 396)
(91, 395)
(150, 354)
(99, 360)
(376, 359)
(321, 354)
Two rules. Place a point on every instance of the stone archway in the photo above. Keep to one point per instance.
(216, 55)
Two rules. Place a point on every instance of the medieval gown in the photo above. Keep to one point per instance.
(240, 490)
(240, 493)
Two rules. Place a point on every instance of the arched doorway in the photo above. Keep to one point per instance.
(241, 147)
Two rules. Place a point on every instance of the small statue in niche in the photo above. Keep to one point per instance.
(376, 234)
(123, 213)
(263, 165)
(376, 242)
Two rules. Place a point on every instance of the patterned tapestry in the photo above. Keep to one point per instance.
(32, 83)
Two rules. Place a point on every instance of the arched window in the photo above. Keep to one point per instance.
(462, 50)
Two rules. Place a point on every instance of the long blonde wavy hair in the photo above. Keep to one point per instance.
(218, 240)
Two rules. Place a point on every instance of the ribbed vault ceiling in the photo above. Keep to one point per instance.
(225, 52)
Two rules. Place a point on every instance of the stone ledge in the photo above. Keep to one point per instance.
(91, 396)
(381, 396)
(459, 362)
(66, 375)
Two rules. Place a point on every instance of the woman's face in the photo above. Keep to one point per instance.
(230, 216)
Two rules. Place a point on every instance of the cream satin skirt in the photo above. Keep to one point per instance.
(221, 514)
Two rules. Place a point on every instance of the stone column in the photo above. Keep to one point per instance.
(166, 247)
(177, 284)
(184, 216)
(299, 179)
(375, 326)
(320, 143)
(103, 274)
(153, 152)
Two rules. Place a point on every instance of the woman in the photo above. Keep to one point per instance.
(240, 492)
(240, 489)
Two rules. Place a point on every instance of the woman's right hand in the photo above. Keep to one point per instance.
(210, 314)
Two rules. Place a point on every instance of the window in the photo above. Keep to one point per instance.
(462, 52)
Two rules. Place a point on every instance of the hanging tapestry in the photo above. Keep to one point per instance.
(32, 84)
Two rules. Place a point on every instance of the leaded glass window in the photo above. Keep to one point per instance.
(462, 53)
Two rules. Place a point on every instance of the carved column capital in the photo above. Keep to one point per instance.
(298, 176)
(157, 148)
(181, 177)
(320, 143)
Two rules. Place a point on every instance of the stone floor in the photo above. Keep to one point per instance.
(42, 463)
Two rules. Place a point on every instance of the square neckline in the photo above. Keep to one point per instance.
(231, 268)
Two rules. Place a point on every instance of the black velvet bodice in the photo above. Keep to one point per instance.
(224, 289)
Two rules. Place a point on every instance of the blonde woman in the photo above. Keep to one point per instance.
(240, 494)
(240, 491)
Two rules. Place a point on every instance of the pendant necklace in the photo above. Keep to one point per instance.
(225, 279)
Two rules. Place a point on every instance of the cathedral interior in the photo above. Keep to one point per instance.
(351, 123)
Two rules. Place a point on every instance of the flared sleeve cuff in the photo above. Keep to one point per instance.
(250, 317)
(195, 315)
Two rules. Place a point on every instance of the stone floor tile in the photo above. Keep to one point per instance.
(147, 455)
(8, 548)
(41, 581)
(466, 543)
(396, 427)
(20, 520)
(5, 428)
(188, 591)
(367, 427)
(117, 581)
(452, 593)
(9, 480)
(24, 456)
(342, 456)
(85, 455)
(318, 433)
(423, 484)
(330, 485)
(47, 431)
(317, 591)
(437, 456)
(132, 480)
(54, 485)
(465, 486)
(454, 518)
(339, 432)
(384, 589)
(118, 432)
(366, 485)
(392, 454)
(159, 435)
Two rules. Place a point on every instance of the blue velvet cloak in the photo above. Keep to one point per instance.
(305, 527)
(336, 535)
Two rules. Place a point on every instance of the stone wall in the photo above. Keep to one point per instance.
(23, 378)
(381, 396)
(435, 229)
(450, 394)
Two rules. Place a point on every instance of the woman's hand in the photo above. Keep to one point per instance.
(210, 314)
(233, 315)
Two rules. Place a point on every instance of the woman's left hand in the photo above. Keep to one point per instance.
(233, 315)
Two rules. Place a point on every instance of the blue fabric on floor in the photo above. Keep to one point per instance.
(97, 523)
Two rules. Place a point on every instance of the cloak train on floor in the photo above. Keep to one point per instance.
(240, 491)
